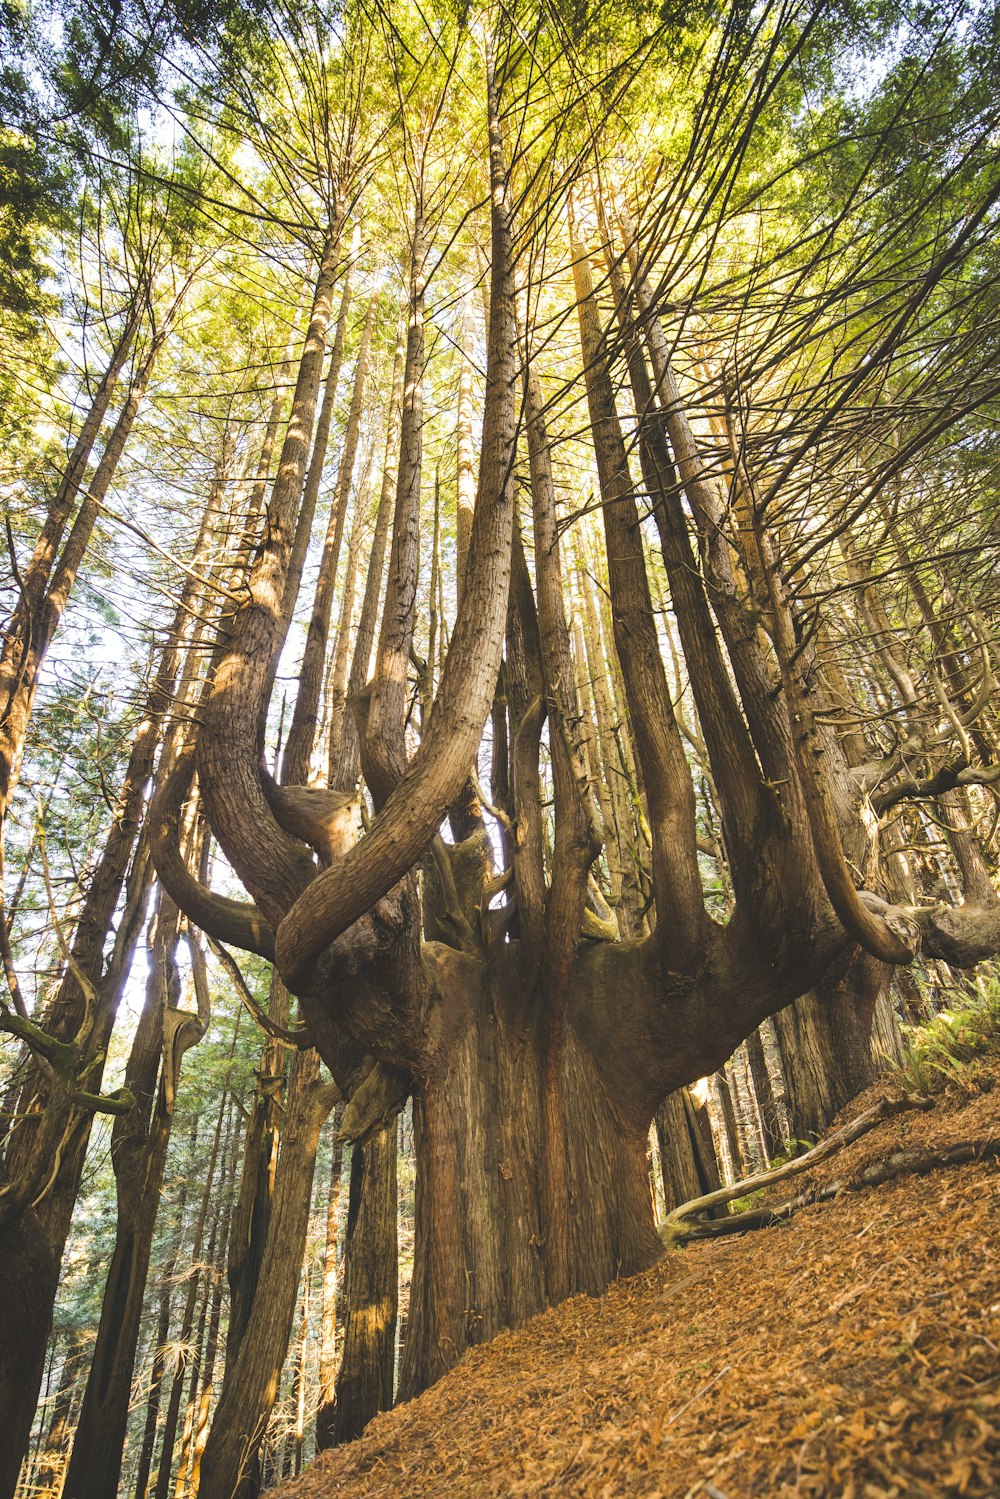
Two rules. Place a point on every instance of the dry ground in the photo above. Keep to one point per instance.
(854, 1351)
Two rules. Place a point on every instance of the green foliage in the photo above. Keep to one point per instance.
(947, 1049)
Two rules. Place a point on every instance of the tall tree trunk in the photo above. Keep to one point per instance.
(301, 734)
(169, 1435)
(51, 1461)
(158, 1370)
(328, 1327)
(365, 1381)
(251, 1384)
(139, 1150)
(16, 665)
(771, 1136)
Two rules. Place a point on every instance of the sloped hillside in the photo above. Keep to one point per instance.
(853, 1351)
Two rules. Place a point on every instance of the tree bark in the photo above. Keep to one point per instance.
(365, 1381)
(139, 1149)
(251, 1383)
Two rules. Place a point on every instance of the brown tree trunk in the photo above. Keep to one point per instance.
(51, 1461)
(159, 1366)
(826, 1049)
(687, 1158)
(139, 1149)
(328, 1330)
(18, 664)
(734, 1150)
(365, 1381)
(479, 1124)
(771, 1136)
(169, 1437)
(251, 1383)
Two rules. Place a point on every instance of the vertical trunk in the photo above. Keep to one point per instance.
(314, 477)
(771, 1137)
(294, 1466)
(336, 692)
(466, 495)
(28, 1277)
(826, 1049)
(52, 1458)
(302, 732)
(328, 1332)
(198, 1374)
(345, 766)
(49, 610)
(730, 1128)
(159, 1345)
(27, 616)
(383, 748)
(364, 1384)
(169, 1437)
(687, 1161)
(139, 1148)
(212, 1344)
(479, 1123)
(251, 1384)
(626, 882)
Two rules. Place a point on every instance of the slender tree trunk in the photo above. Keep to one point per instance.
(771, 1137)
(302, 732)
(212, 1344)
(328, 1329)
(169, 1436)
(24, 625)
(365, 1382)
(345, 763)
(148, 1442)
(251, 1383)
(139, 1148)
(52, 1458)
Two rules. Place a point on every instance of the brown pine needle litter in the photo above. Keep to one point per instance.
(852, 1352)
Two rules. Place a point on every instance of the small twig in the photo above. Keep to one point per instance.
(299, 1037)
(698, 1394)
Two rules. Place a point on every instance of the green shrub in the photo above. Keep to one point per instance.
(947, 1049)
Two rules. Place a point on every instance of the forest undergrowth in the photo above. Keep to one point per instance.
(851, 1351)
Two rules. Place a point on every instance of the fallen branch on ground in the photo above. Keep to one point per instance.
(673, 1226)
(898, 1163)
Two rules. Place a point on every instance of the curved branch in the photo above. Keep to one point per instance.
(947, 778)
(219, 917)
(412, 814)
(301, 1036)
(960, 935)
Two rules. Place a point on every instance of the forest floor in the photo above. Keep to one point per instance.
(853, 1351)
